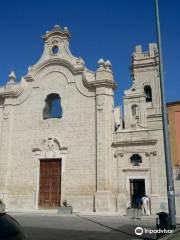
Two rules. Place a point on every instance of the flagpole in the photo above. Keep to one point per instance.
(169, 171)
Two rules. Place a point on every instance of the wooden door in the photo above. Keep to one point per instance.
(50, 183)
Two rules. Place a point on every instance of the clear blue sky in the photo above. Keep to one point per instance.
(100, 28)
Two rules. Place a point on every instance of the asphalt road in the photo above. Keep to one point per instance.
(55, 227)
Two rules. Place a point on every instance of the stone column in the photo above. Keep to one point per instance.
(104, 84)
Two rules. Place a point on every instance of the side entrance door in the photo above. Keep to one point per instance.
(137, 191)
(50, 183)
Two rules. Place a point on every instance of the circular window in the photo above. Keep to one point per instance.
(55, 50)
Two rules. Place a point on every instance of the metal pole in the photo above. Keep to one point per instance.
(169, 171)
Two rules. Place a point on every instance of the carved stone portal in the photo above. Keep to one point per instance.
(49, 147)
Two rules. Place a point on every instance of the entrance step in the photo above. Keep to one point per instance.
(65, 210)
(134, 213)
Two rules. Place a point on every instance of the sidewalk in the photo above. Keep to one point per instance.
(106, 214)
(42, 225)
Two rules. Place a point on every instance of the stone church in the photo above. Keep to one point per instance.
(62, 138)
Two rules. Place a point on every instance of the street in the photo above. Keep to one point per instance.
(74, 227)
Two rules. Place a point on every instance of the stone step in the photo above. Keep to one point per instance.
(64, 210)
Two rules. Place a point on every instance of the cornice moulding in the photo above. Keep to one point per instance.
(134, 143)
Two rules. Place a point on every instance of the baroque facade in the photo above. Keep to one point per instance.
(62, 139)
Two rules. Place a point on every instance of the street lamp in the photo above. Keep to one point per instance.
(169, 171)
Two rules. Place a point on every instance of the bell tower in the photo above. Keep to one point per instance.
(142, 102)
(145, 74)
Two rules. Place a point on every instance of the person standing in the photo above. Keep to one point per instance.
(145, 206)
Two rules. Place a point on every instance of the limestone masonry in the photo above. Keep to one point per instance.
(62, 139)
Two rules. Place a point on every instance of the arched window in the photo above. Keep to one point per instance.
(148, 93)
(135, 110)
(136, 159)
(52, 108)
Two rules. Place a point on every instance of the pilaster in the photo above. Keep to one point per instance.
(6, 134)
(104, 84)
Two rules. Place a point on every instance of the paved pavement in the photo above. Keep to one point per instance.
(74, 227)
(45, 226)
(174, 236)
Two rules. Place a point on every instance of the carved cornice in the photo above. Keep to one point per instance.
(76, 66)
(105, 82)
(134, 143)
(57, 31)
(90, 81)
(88, 77)
(155, 115)
(12, 90)
(143, 65)
(135, 169)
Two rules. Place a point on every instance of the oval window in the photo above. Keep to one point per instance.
(55, 50)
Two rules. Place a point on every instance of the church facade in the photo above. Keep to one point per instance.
(62, 138)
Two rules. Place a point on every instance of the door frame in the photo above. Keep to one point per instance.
(48, 148)
(131, 180)
(37, 177)
(143, 177)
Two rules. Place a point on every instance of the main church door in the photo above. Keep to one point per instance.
(50, 183)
